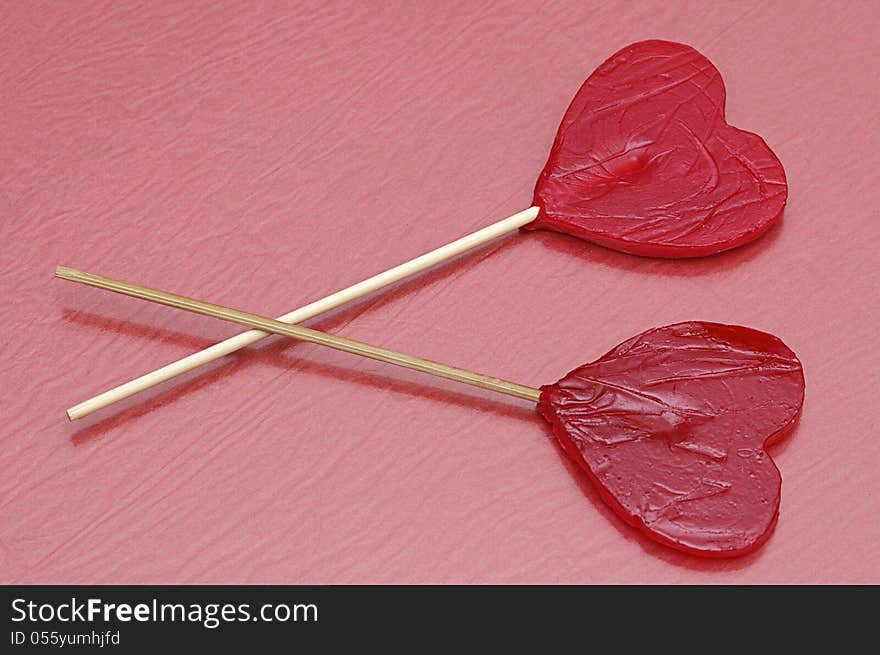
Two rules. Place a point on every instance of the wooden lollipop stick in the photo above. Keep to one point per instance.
(303, 334)
(311, 310)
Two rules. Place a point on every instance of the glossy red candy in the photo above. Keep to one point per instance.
(645, 163)
(671, 427)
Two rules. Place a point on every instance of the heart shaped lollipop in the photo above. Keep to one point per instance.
(645, 163)
(670, 425)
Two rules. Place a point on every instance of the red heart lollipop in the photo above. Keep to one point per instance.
(671, 426)
(645, 163)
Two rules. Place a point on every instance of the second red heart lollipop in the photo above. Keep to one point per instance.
(671, 425)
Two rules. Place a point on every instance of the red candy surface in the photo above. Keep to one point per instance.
(671, 426)
(645, 163)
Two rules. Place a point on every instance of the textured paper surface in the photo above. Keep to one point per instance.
(264, 156)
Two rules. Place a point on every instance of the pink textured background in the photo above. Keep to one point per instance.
(264, 154)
